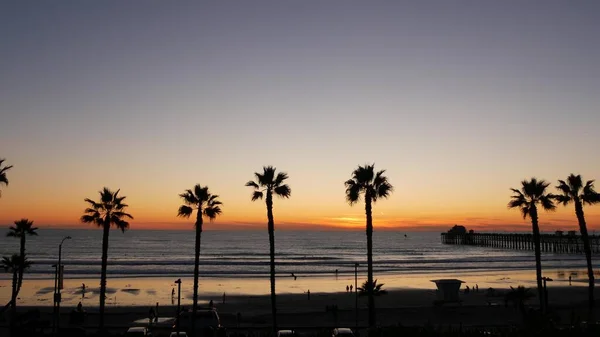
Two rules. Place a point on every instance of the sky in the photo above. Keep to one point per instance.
(458, 100)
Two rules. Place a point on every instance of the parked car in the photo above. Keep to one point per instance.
(342, 332)
(178, 334)
(286, 333)
(208, 323)
(138, 331)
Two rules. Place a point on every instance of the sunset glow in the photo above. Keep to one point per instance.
(159, 101)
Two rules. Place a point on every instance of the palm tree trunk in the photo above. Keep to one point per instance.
(370, 261)
(271, 229)
(13, 297)
(105, 231)
(196, 268)
(538, 255)
(587, 250)
(22, 266)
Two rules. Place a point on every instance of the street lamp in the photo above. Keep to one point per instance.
(57, 287)
(178, 305)
(356, 293)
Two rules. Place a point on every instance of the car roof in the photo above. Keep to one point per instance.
(343, 330)
(136, 329)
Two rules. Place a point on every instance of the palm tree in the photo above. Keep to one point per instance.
(3, 179)
(14, 264)
(366, 288)
(374, 186)
(208, 206)
(21, 230)
(532, 194)
(109, 211)
(574, 191)
(269, 183)
(518, 296)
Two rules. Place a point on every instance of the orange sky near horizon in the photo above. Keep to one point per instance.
(304, 210)
(458, 101)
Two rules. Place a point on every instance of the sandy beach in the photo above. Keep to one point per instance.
(146, 291)
(409, 301)
(407, 307)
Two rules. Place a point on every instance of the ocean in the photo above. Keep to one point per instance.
(139, 253)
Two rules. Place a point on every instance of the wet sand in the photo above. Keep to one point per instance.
(146, 291)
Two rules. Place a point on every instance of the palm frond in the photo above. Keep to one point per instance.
(283, 191)
(14, 263)
(121, 224)
(184, 211)
(518, 199)
(384, 190)
(189, 198)
(107, 196)
(22, 228)
(562, 198)
(201, 192)
(110, 210)
(547, 202)
(121, 215)
(212, 201)
(260, 179)
(281, 177)
(212, 212)
(3, 178)
(564, 188)
(589, 195)
(97, 220)
(268, 175)
(575, 183)
(352, 191)
(525, 211)
(252, 184)
(257, 195)
(379, 178)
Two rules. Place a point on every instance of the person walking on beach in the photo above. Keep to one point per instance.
(347, 288)
(351, 288)
(172, 292)
(308, 293)
(151, 315)
(569, 279)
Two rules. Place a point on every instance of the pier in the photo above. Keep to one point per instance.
(558, 243)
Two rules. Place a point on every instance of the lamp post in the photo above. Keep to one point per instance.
(57, 269)
(178, 305)
(356, 294)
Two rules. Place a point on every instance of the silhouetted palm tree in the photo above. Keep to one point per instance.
(532, 194)
(366, 287)
(269, 183)
(519, 296)
(3, 178)
(109, 211)
(206, 205)
(374, 186)
(21, 230)
(574, 191)
(14, 264)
